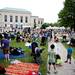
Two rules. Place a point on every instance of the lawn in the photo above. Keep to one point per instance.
(28, 57)
(27, 51)
(43, 67)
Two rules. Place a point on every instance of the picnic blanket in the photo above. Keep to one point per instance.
(13, 56)
(22, 69)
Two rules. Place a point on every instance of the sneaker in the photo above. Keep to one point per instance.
(55, 71)
(48, 72)
(65, 61)
(69, 62)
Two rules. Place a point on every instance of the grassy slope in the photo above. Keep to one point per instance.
(43, 67)
(29, 58)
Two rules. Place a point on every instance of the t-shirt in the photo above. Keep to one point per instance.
(5, 43)
(37, 51)
(69, 51)
(57, 49)
(51, 56)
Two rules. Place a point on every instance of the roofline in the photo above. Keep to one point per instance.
(35, 16)
(15, 10)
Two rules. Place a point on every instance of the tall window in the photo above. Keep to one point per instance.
(21, 26)
(26, 19)
(38, 22)
(41, 22)
(21, 18)
(16, 26)
(16, 18)
(35, 21)
(5, 18)
(11, 25)
(11, 18)
(5, 25)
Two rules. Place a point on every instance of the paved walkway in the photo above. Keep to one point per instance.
(66, 68)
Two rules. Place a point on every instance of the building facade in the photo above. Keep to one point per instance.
(12, 19)
(35, 20)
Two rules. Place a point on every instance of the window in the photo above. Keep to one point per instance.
(5, 18)
(5, 25)
(35, 21)
(16, 18)
(16, 26)
(21, 18)
(41, 22)
(38, 22)
(26, 19)
(0, 30)
(11, 18)
(11, 25)
(21, 26)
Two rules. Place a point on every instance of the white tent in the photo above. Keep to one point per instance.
(62, 27)
(49, 27)
(55, 27)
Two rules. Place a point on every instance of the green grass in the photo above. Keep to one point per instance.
(66, 46)
(43, 66)
(27, 51)
(44, 55)
(20, 44)
(29, 58)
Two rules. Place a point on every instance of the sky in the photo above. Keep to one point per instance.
(47, 9)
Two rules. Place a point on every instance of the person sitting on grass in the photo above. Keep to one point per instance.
(52, 58)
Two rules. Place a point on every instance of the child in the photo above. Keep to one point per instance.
(69, 54)
(58, 60)
(52, 58)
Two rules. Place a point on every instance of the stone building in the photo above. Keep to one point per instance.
(12, 19)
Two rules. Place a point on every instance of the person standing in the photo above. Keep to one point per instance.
(5, 46)
(69, 54)
(52, 58)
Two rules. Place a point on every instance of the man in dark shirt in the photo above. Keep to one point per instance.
(5, 47)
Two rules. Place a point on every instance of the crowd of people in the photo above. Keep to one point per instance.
(45, 36)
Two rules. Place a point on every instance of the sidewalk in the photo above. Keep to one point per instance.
(66, 69)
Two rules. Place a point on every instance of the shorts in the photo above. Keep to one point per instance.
(69, 56)
(53, 63)
(6, 56)
(5, 50)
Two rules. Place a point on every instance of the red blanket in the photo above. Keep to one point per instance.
(22, 69)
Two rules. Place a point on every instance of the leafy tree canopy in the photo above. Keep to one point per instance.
(45, 25)
(67, 14)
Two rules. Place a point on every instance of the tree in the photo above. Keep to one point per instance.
(67, 14)
(45, 25)
(56, 24)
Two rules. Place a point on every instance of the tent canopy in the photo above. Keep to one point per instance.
(55, 27)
